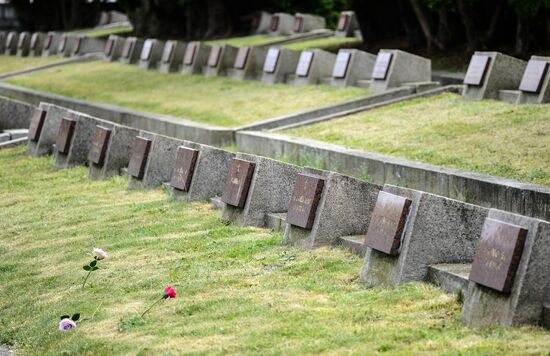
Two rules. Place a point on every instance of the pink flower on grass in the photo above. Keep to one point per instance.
(66, 325)
(100, 254)
(169, 292)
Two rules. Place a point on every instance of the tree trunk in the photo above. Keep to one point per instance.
(425, 25)
(475, 41)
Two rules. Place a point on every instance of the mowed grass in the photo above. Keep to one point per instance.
(486, 136)
(253, 40)
(240, 290)
(217, 100)
(104, 32)
(13, 63)
(332, 42)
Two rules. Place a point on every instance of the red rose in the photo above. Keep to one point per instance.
(169, 292)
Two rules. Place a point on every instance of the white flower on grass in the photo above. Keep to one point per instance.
(66, 325)
(100, 254)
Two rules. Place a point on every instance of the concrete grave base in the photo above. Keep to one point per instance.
(263, 22)
(66, 45)
(84, 45)
(286, 64)
(51, 44)
(44, 145)
(12, 39)
(202, 51)
(404, 67)
(133, 45)
(350, 25)
(14, 114)
(305, 23)
(253, 67)
(270, 192)
(113, 48)
(284, 24)
(225, 61)
(525, 97)
(359, 67)
(36, 44)
(171, 62)
(23, 44)
(151, 61)
(321, 66)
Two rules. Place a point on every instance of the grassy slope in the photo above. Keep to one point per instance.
(326, 43)
(217, 101)
(104, 32)
(12, 63)
(253, 40)
(488, 136)
(239, 289)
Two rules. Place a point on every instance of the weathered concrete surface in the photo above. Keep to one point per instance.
(253, 67)
(135, 45)
(14, 114)
(524, 97)
(85, 45)
(151, 60)
(51, 45)
(404, 68)
(308, 22)
(320, 67)
(286, 64)
(225, 62)
(12, 39)
(451, 277)
(48, 136)
(352, 28)
(37, 44)
(359, 68)
(113, 48)
(285, 24)
(23, 44)
(171, 61)
(263, 22)
(200, 57)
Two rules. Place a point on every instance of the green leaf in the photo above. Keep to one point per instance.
(87, 268)
(93, 263)
(75, 317)
(64, 317)
(95, 268)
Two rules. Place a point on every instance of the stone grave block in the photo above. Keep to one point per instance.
(352, 65)
(509, 276)
(172, 56)
(110, 150)
(313, 65)
(51, 44)
(66, 45)
(490, 72)
(205, 178)
(256, 186)
(306, 22)
(279, 64)
(534, 87)
(195, 58)
(435, 230)
(261, 22)
(345, 203)
(23, 44)
(84, 45)
(131, 50)
(113, 48)
(36, 44)
(249, 63)
(151, 54)
(12, 40)
(152, 166)
(15, 114)
(394, 68)
(348, 26)
(220, 59)
(281, 24)
(3, 42)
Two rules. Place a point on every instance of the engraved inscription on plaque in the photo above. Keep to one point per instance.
(298, 23)
(214, 57)
(167, 52)
(109, 46)
(140, 153)
(534, 75)
(237, 183)
(186, 159)
(304, 201)
(304, 64)
(34, 40)
(479, 64)
(100, 143)
(65, 135)
(48, 41)
(190, 53)
(271, 60)
(242, 57)
(274, 23)
(387, 223)
(342, 22)
(341, 65)
(382, 65)
(498, 254)
(37, 122)
(147, 50)
(22, 40)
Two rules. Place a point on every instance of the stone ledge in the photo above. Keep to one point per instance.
(355, 244)
(450, 277)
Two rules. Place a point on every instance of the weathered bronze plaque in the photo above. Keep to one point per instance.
(237, 183)
(146, 50)
(65, 135)
(274, 23)
(477, 69)
(271, 60)
(34, 40)
(387, 223)
(341, 65)
(167, 52)
(48, 41)
(190, 53)
(100, 143)
(304, 64)
(128, 44)
(214, 57)
(382, 65)
(22, 39)
(63, 43)
(109, 45)
(298, 23)
(77, 45)
(185, 166)
(342, 22)
(242, 57)
(498, 254)
(534, 75)
(304, 201)
(37, 122)
(140, 153)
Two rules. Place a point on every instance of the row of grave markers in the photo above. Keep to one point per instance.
(407, 235)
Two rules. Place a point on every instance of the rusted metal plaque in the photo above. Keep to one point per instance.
(109, 45)
(298, 23)
(304, 64)
(22, 39)
(77, 45)
(37, 122)
(48, 41)
(304, 201)
(237, 183)
(342, 22)
(271, 60)
(498, 254)
(190, 53)
(167, 51)
(65, 135)
(534, 75)
(242, 57)
(127, 49)
(387, 223)
(477, 69)
(214, 57)
(147, 50)
(186, 159)
(274, 23)
(34, 40)
(100, 143)
(341, 65)
(382, 65)
(140, 153)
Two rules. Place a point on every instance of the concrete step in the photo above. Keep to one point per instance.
(216, 202)
(510, 96)
(325, 80)
(363, 83)
(451, 277)
(17, 133)
(276, 221)
(420, 87)
(13, 143)
(5, 137)
(355, 244)
(448, 78)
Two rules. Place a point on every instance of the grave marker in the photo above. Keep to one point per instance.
(382, 65)
(477, 69)
(304, 64)
(249, 62)
(196, 56)
(65, 135)
(306, 23)
(352, 66)
(100, 144)
(261, 23)
(140, 154)
(23, 44)
(131, 51)
(37, 122)
(341, 66)
(11, 43)
(348, 26)
(304, 201)
(280, 63)
(214, 57)
(534, 76)
(51, 44)
(281, 24)
(186, 159)
(242, 56)
(172, 56)
(220, 59)
(151, 53)
(395, 68)
(271, 60)
(83, 45)
(238, 182)
(313, 66)
(147, 49)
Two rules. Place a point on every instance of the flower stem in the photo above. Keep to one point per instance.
(152, 305)
(87, 276)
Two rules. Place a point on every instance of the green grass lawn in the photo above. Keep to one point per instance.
(104, 32)
(13, 63)
(332, 43)
(218, 100)
(240, 290)
(486, 136)
(253, 40)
